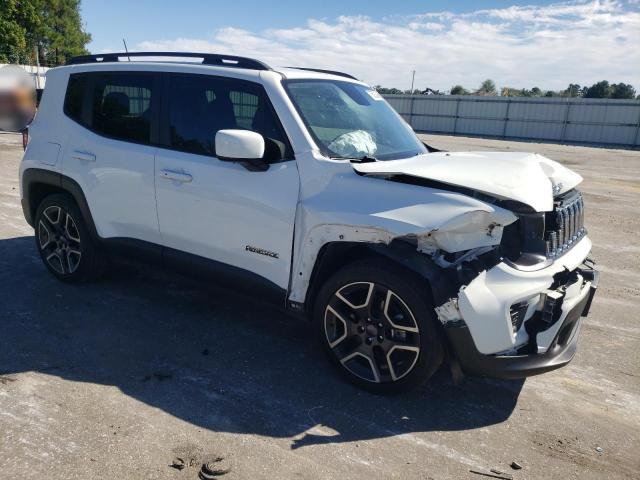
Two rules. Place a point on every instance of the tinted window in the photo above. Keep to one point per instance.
(74, 98)
(200, 105)
(121, 106)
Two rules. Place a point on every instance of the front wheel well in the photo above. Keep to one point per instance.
(335, 255)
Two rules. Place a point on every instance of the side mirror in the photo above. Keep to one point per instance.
(242, 146)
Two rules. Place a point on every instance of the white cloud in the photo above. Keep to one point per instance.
(546, 46)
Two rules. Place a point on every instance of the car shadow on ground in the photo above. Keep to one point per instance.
(212, 358)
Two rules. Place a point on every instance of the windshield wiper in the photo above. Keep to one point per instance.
(364, 159)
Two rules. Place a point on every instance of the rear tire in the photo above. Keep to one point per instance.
(377, 323)
(64, 242)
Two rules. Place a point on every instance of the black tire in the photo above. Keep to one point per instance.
(63, 241)
(414, 326)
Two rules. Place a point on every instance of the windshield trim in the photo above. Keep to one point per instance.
(319, 144)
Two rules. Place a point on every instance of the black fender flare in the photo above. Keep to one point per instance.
(32, 177)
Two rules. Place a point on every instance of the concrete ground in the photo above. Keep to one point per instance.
(117, 378)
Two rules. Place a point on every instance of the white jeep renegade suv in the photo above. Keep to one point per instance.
(306, 186)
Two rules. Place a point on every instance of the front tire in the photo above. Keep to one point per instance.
(64, 242)
(377, 323)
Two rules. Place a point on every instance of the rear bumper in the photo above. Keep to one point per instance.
(559, 353)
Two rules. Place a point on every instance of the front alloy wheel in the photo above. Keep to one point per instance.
(372, 332)
(378, 326)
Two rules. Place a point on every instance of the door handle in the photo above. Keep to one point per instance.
(84, 156)
(177, 176)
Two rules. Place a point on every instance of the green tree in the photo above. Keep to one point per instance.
(622, 90)
(62, 35)
(52, 27)
(573, 90)
(598, 90)
(488, 87)
(536, 92)
(459, 90)
(19, 24)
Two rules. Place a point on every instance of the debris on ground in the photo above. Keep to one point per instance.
(177, 463)
(516, 465)
(599, 449)
(214, 468)
(493, 473)
(499, 472)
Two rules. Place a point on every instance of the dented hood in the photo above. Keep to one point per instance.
(528, 178)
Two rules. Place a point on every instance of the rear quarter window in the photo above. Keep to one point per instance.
(74, 98)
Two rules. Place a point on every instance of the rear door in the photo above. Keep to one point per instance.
(112, 124)
(219, 210)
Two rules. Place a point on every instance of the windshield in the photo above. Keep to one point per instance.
(348, 120)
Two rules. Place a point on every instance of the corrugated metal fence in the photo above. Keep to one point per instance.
(570, 120)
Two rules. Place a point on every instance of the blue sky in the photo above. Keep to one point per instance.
(143, 20)
(518, 44)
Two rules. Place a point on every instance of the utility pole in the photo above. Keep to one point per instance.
(37, 68)
(413, 77)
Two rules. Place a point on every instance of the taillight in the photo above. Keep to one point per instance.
(25, 138)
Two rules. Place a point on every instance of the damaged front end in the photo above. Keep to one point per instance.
(521, 278)
(510, 322)
(547, 340)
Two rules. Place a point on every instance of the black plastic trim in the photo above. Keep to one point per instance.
(219, 60)
(225, 275)
(329, 72)
(35, 176)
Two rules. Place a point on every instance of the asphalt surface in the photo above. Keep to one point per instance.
(118, 378)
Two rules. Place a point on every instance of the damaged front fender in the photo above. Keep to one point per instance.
(428, 227)
(466, 231)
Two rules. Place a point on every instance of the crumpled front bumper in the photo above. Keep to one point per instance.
(560, 351)
(480, 322)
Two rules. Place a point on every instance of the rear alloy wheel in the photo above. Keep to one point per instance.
(378, 328)
(59, 240)
(63, 241)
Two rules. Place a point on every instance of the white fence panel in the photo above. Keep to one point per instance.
(571, 120)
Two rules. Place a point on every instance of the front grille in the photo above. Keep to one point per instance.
(566, 225)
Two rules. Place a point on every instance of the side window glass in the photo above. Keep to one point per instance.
(74, 97)
(199, 106)
(193, 120)
(122, 106)
(245, 106)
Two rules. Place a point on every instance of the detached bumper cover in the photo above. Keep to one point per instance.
(560, 352)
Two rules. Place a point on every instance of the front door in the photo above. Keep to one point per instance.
(215, 209)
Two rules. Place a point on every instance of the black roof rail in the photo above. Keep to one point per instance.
(330, 72)
(207, 59)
